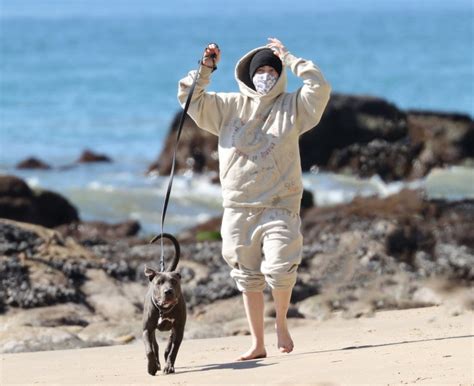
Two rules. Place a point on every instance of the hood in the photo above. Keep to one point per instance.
(245, 83)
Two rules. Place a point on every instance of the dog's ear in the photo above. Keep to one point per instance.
(177, 275)
(150, 273)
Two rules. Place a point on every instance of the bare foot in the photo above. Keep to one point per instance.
(253, 353)
(285, 343)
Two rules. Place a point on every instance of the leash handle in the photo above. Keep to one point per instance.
(173, 164)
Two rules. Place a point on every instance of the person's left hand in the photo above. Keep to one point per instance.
(278, 47)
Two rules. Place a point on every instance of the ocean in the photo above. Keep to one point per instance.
(102, 75)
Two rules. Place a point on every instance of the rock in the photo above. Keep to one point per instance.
(220, 311)
(124, 339)
(106, 296)
(18, 202)
(427, 296)
(374, 253)
(349, 120)
(88, 156)
(60, 315)
(408, 239)
(314, 307)
(33, 163)
(97, 232)
(307, 200)
(292, 312)
(111, 332)
(392, 161)
(360, 135)
(197, 149)
(444, 139)
(54, 210)
(12, 186)
(196, 329)
(221, 286)
(458, 260)
(22, 339)
(305, 286)
(38, 267)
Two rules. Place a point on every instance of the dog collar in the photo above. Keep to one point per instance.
(160, 309)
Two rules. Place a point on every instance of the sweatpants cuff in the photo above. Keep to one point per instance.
(248, 282)
(281, 281)
(255, 282)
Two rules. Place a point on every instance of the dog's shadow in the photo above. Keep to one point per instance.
(243, 365)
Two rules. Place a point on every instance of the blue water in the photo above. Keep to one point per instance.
(103, 75)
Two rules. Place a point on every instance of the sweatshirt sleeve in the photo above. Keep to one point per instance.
(207, 109)
(313, 96)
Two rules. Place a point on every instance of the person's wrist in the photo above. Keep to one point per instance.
(286, 58)
(208, 64)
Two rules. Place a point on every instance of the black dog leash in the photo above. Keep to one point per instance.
(173, 164)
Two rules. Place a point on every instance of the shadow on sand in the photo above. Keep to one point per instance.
(384, 344)
(257, 362)
(244, 365)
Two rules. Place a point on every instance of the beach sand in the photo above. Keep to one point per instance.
(432, 345)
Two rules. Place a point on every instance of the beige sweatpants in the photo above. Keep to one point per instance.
(262, 246)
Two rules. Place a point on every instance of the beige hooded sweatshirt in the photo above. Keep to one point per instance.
(259, 160)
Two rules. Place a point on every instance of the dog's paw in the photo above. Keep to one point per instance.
(153, 366)
(169, 369)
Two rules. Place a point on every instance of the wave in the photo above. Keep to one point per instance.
(195, 199)
(452, 183)
(192, 201)
(107, 193)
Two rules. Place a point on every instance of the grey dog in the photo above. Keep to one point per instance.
(165, 310)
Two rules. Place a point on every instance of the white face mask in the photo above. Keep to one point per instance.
(264, 82)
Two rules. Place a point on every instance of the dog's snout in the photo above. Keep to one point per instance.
(169, 291)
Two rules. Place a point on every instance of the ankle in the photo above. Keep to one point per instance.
(258, 344)
(281, 323)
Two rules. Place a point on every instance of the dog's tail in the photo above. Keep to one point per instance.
(177, 249)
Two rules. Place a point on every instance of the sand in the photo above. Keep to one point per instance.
(431, 345)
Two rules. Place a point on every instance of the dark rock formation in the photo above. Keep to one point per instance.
(89, 156)
(443, 139)
(19, 202)
(391, 161)
(357, 134)
(38, 267)
(351, 120)
(98, 232)
(197, 149)
(32, 163)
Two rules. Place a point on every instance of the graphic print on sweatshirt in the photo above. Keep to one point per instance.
(246, 156)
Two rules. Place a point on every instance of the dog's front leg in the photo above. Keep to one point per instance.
(151, 350)
(168, 347)
(172, 350)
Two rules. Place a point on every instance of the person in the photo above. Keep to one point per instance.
(260, 172)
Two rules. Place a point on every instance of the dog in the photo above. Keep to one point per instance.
(164, 309)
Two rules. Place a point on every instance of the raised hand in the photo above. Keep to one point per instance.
(211, 55)
(277, 46)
